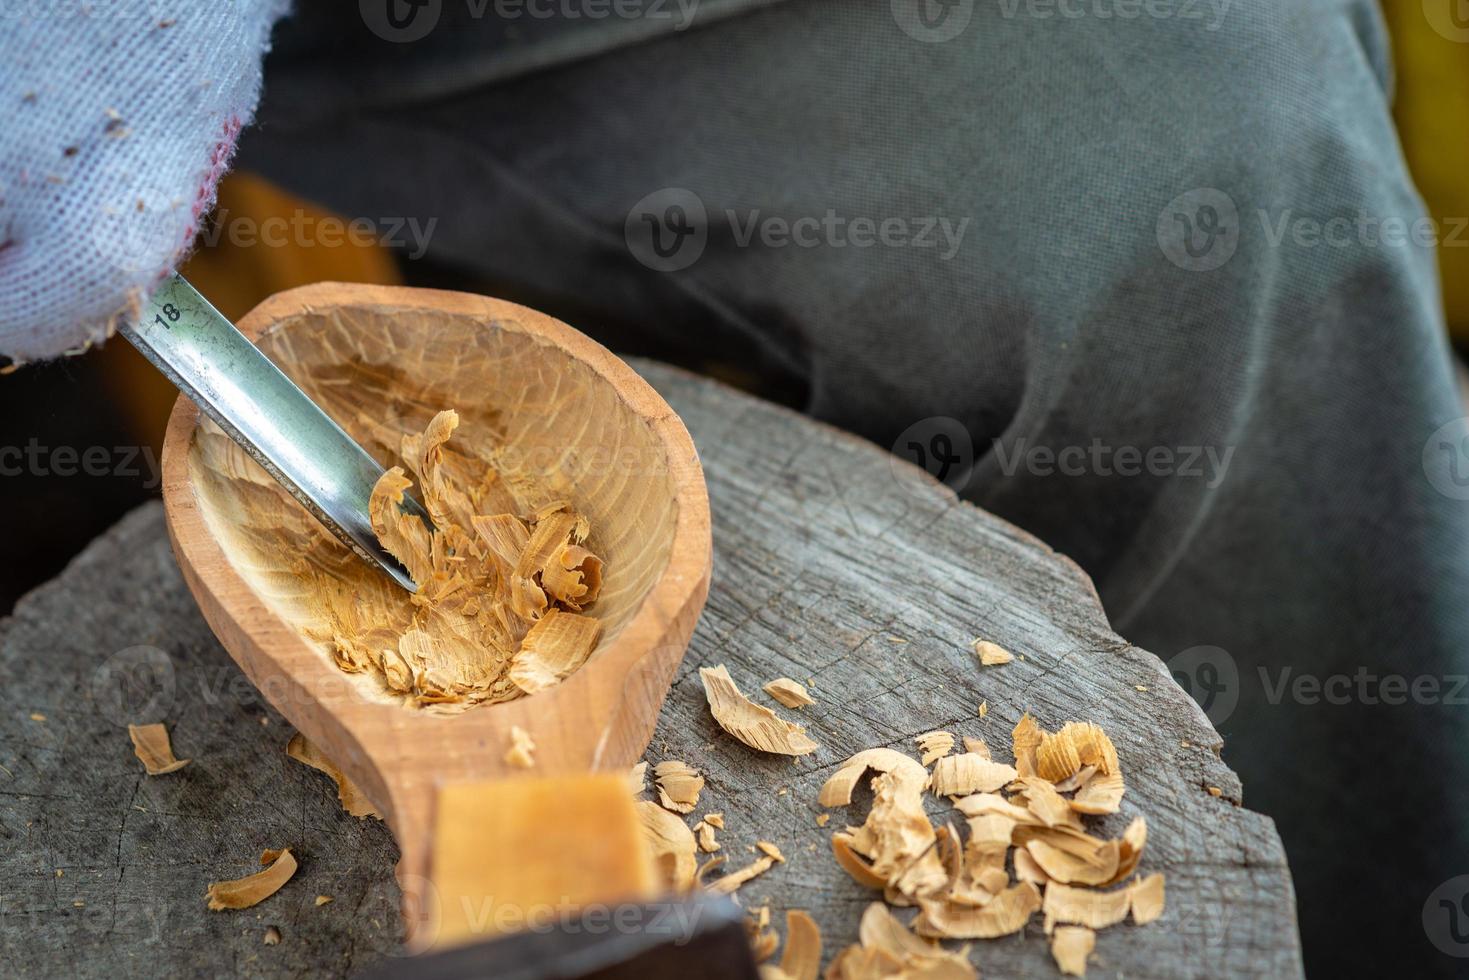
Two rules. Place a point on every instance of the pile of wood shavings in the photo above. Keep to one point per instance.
(1026, 850)
(964, 888)
(498, 612)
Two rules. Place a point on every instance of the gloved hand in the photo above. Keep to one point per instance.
(119, 117)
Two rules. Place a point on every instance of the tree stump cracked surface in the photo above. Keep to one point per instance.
(833, 564)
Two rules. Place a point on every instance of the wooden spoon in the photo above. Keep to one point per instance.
(534, 384)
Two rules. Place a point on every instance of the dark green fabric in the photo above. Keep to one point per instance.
(1319, 540)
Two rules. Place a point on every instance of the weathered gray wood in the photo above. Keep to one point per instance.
(826, 556)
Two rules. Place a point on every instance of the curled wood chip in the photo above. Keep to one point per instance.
(853, 863)
(755, 725)
(323, 900)
(1084, 906)
(637, 778)
(801, 959)
(253, 889)
(992, 654)
(1130, 848)
(1070, 946)
(1005, 914)
(976, 746)
(678, 785)
(837, 790)
(151, 745)
(1147, 899)
(1053, 809)
(1026, 738)
(886, 948)
(671, 843)
(1026, 868)
(1074, 860)
(272, 936)
(961, 775)
(790, 693)
(1100, 795)
(556, 645)
(351, 797)
(732, 881)
(715, 820)
(934, 745)
(1076, 780)
(521, 746)
(822, 818)
(704, 833)
(770, 850)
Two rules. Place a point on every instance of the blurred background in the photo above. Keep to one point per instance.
(113, 399)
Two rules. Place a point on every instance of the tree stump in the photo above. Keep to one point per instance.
(834, 563)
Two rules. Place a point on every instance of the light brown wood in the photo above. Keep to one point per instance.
(535, 384)
(484, 886)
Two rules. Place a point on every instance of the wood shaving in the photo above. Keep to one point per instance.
(984, 708)
(1098, 910)
(732, 881)
(1076, 780)
(272, 936)
(715, 820)
(801, 959)
(837, 790)
(992, 654)
(151, 745)
(1147, 899)
(1018, 818)
(934, 745)
(1005, 914)
(521, 748)
(1070, 947)
(792, 694)
(553, 648)
(351, 797)
(637, 779)
(969, 772)
(1026, 738)
(704, 833)
(678, 785)
(323, 900)
(770, 851)
(755, 725)
(886, 948)
(1100, 795)
(489, 575)
(253, 889)
(822, 818)
(672, 845)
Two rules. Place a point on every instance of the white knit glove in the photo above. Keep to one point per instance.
(117, 119)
